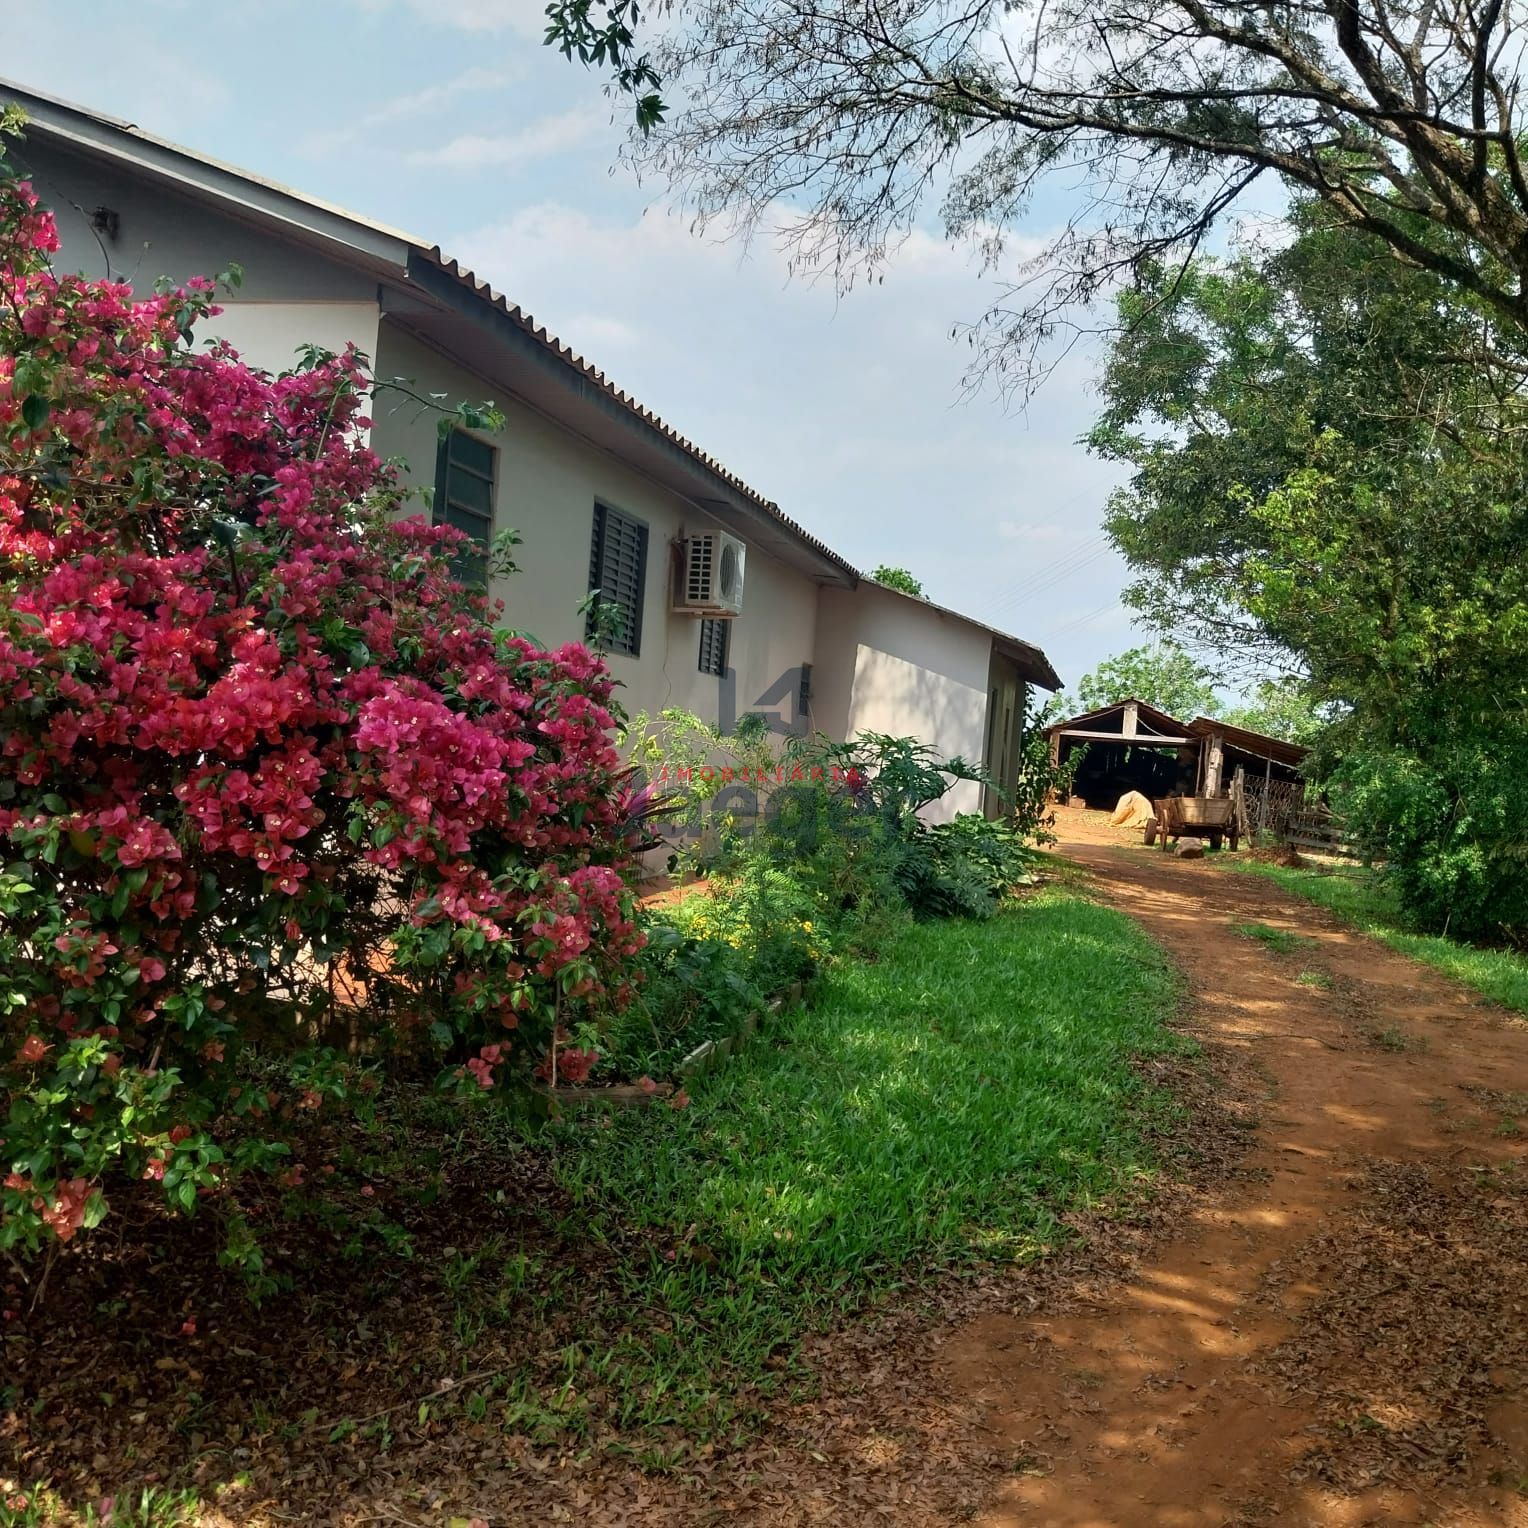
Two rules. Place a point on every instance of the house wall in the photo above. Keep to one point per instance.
(548, 480)
(886, 663)
(289, 295)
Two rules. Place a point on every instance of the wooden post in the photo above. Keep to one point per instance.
(1262, 816)
(1132, 720)
(1214, 765)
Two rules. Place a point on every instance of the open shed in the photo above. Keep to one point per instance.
(1269, 766)
(1133, 746)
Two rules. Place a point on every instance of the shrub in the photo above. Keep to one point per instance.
(1451, 823)
(693, 989)
(261, 749)
(964, 868)
(766, 913)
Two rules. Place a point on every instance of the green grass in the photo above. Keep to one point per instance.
(1279, 940)
(942, 1106)
(641, 1282)
(1360, 897)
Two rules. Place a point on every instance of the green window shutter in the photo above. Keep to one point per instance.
(618, 571)
(464, 484)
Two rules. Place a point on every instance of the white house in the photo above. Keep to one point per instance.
(604, 493)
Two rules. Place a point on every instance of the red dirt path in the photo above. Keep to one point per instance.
(1339, 1337)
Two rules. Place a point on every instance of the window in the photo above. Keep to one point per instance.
(713, 646)
(618, 571)
(464, 499)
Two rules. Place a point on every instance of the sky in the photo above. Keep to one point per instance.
(449, 119)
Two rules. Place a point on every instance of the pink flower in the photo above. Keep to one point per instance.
(32, 1050)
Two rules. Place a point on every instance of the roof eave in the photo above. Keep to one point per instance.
(677, 462)
(310, 221)
(1030, 661)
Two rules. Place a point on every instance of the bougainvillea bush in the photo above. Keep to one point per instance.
(269, 773)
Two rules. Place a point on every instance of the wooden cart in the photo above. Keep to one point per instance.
(1211, 817)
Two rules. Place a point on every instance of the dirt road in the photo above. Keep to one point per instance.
(1340, 1336)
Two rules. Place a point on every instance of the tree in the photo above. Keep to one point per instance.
(1330, 477)
(267, 764)
(608, 41)
(1281, 708)
(1327, 459)
(1163, 676)
(898, 578)
(850, 117)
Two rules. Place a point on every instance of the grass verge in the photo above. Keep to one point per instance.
(620, 1285)
(943, 1105)
(1361, 898)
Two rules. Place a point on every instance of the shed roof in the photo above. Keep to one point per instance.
(1259, 743)
(1158, 720)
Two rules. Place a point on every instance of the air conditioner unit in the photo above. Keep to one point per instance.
(710, 575)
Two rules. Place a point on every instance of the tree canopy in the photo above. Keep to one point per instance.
(1283, 708)
(1163, 675)
(1327, 469)
(898, 578)
(1330, 479)
(848, 120)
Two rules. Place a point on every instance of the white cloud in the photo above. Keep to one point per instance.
(113, 66)
(1029, 531)
(483, 151)
(526, 17)
(415, 103)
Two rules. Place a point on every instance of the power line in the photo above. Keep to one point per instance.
(1058, 575)
(1085, 620)
(1054, 571)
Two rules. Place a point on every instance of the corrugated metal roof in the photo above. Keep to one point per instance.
(1278, 749)
(1168, 725)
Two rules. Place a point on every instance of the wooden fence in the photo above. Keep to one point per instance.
(1316, 830)
(1280, 807)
